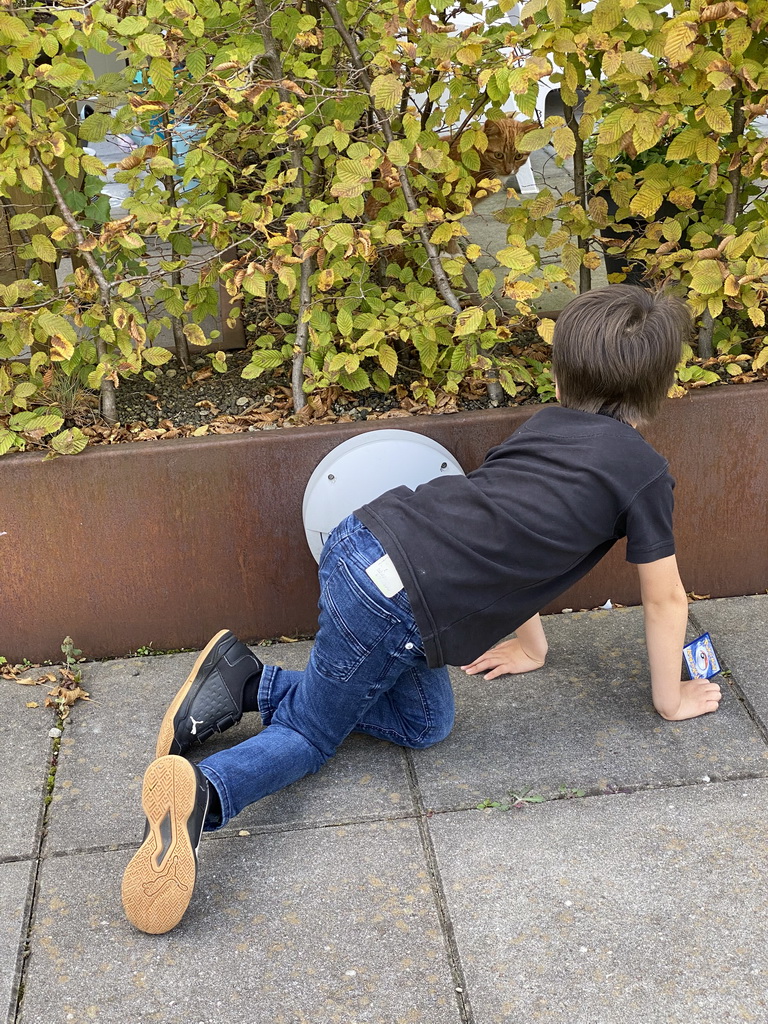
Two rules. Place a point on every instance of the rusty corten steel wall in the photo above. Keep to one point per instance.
(167, 542)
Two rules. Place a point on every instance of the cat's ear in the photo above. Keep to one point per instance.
(521, 128)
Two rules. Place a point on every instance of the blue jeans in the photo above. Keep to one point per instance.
(366, 673)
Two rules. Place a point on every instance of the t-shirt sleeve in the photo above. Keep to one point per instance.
(649, 522)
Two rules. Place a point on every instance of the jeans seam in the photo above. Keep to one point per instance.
(263, 698)
(219, 785)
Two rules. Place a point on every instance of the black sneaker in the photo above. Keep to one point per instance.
(211, 700)
(160, 877)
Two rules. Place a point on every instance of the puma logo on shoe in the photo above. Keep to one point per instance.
(153, 888)
(195, 724)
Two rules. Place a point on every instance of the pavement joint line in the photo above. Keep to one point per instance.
(438, 892)
(734, 685)
(425, 814)
(24, 948)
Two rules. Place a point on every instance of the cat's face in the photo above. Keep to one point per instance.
(502, 157)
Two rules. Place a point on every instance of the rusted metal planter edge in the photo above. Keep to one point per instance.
(164, 543)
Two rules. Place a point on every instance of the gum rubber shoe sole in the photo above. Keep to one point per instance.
(160, 878)
(165, 736)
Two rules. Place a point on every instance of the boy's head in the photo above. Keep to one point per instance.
(615, 350)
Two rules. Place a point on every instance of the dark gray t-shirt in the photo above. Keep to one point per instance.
(479, 555)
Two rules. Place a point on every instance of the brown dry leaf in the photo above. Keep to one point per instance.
(32, 704)
(26, 681)
(391, 414)
(66, 695)
(288, 639)
(698, 597)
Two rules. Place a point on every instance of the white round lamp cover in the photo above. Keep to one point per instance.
(362, 468)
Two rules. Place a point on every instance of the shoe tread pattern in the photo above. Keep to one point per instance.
(160, 878)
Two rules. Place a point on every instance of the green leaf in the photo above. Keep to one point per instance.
(161, 75)
(131, 26)
(69, 442)
(517, 258)
(706, 278)
(398, 153)
(44, 248)
(352, 176)
(357, 381)
(486, 282)
(196, 64)
(12, 30)
(151, 44)
(386, 91)
(388, 358)
(156, 356)
(260, 362)
(22, 221)
(8, 440)
(344, 322)
(65, 72)
(536, 139)
(95, 127)
(684, 145)
(382, 381)
(48, 423)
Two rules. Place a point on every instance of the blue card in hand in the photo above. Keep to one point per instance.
(700, 658)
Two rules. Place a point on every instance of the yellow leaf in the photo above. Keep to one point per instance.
(718, 119)
(468, 321)
(756, 315)
(61, 348)
(564, 142)
(546, 329)
(194, 334)
(648, 199)
(325, 280)
(680, 36)
(473, 252)
(760, 359)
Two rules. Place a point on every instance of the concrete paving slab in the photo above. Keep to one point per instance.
(584, 721)
(25, 749)
(15, 882)
(739, 629)
(324, 926)
(108, 743)
(642, 909)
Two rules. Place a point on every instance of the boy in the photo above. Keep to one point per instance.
(415, 581)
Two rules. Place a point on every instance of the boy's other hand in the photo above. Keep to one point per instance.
(697, 697)
(508, 658)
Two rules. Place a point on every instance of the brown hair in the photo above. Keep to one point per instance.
(615, 350)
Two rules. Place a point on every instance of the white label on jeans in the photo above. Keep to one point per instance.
(384, 575)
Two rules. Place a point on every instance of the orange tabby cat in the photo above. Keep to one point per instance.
(499, 160)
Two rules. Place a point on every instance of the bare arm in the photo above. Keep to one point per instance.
(665, 608)
(525, 652)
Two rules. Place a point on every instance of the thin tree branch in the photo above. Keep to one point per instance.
(731, 212)
(107, 388)
(302, 335)
(580, 188)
